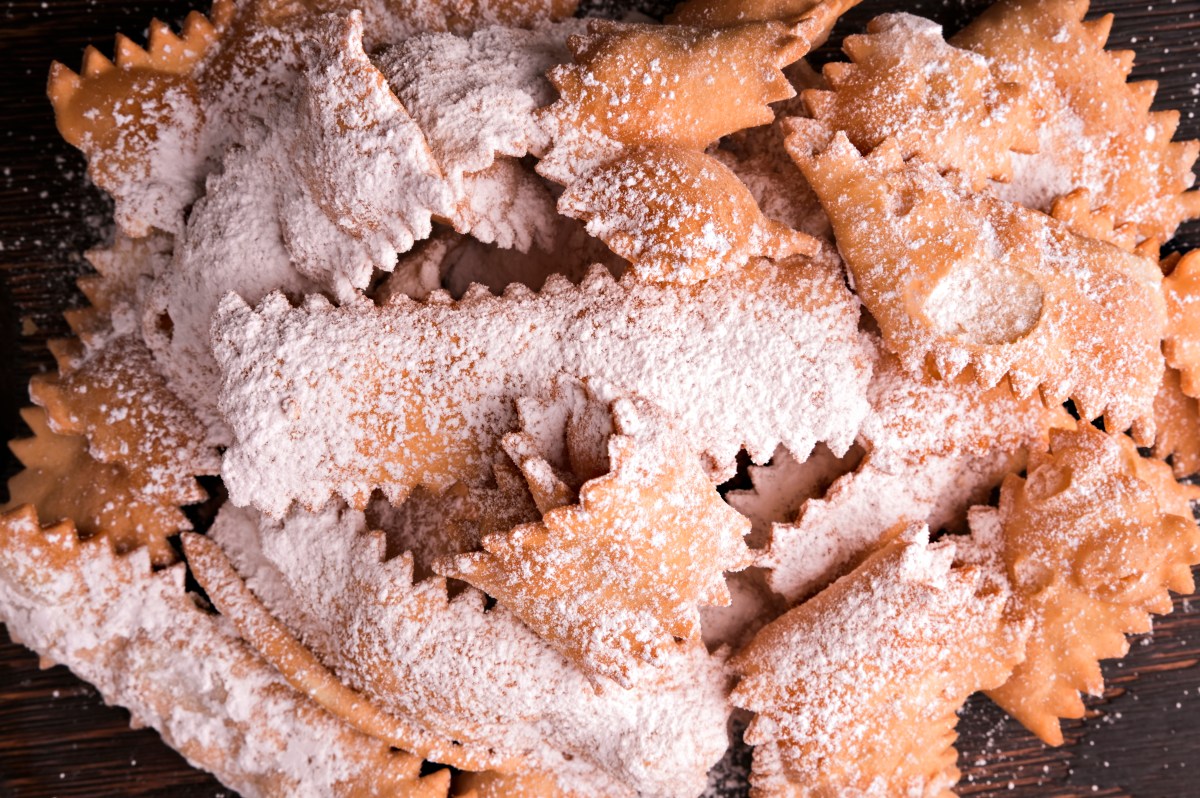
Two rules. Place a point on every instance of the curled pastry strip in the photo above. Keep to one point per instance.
(467, 672)
(304, 671)
(946, 105)
(1090, 542)
(617, 574)
(1095, 130)
(136, 635)
(822, 679)
(995, 286)
(65, 482)
(363, 417)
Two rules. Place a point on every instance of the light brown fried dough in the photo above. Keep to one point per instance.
(116, 292)
(1181, 344)
(138, 637)
(132, 117)
(946, 105)
(64, 482)
(819, 15)
(350, 409)
(701, 84)
(855, 691)
(1090, 542)
(1177, 418)
(677, 215)
(1095, 130)
(154, 123)
(993, 285)
(933, 448)
(478, 676)
(114, 397)
(1075, 210)
(618, 576)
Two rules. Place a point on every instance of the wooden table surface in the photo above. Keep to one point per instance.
(58, 739)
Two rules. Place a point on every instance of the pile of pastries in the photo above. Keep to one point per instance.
(579, 389)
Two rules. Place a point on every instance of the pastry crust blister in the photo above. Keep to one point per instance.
(577, 382)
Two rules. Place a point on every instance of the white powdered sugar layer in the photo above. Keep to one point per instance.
(144, 644)
(471, 674)
(326, 401)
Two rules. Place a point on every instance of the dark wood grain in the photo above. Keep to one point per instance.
(58, 739)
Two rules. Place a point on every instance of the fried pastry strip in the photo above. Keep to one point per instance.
(702, 84)
(1095, 130)
(154, 121)
(994, 285)
(303, 671)
(855, 691)
(1181, 346)
(138, 637)
(936, 101)
(480, 677)
(618, 575)
(677, 215)
(361, 397)
(1090, 542)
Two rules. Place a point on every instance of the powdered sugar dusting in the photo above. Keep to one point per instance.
(343, 396)
(467, 673)
(144, 644)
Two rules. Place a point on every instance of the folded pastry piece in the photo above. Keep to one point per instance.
(364, 397)
(1181, 345)
(677, 215)
(1177, 425)
(933, 449)
(447, 81)
(1095, 130)
(481, 678)
(1090, 542)
(698, 85)
(855, 691)
(154, 121)
(616, 573)
(65, 482)
(993, 285)
(701, 84)
(946, 105)
(138, 637)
